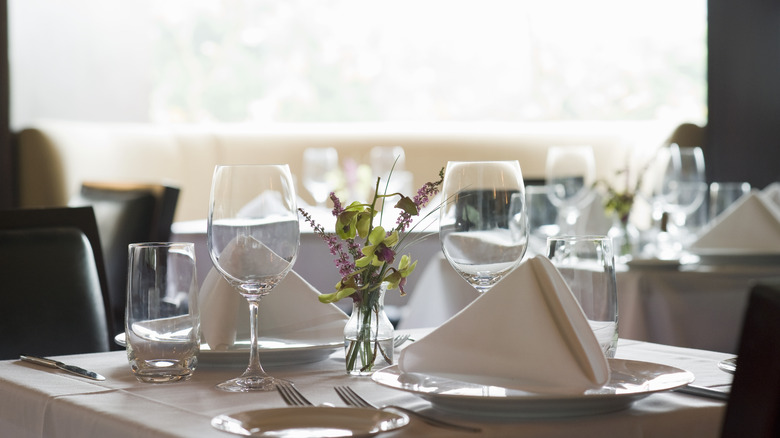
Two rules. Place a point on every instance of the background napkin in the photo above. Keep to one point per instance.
(528, 332)
(750, 225)
(291, 312)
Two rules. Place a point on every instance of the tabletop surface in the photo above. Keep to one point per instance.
(40, 402)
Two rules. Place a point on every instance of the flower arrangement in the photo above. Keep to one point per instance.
(619, 203)
(366, 255)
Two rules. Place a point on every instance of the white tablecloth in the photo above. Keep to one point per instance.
(40, 402)
(696, 306)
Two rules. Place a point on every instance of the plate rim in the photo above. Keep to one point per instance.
(348, 411)
(119, 339)
(531, 398)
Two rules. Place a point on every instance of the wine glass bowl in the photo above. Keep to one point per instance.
(483, 226)
(570, 173)
(317, 164)
(684, 184)
(253, 239)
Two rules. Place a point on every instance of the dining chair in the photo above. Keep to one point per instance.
(52, 283)
(753, 409)
(126, 212)
(688, 135)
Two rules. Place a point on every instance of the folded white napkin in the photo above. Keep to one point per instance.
(751, 225)
(291, 312)
(528, 332)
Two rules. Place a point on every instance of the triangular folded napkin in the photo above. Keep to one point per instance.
(751, 225)
(290, 312)
(528, 333)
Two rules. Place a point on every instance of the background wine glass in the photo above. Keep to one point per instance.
(253, 237)
(683, 189)
(483, 225)
(317, 163)
(570, 173)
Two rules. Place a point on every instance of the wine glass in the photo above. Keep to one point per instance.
(683, 187)
(317, 163)
(483, 225)
(253, 237)
(570, 173)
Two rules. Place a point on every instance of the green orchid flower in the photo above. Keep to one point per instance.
(379, 248)
(354, 220)
(397, 277)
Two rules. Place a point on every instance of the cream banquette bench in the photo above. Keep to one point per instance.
(55, 157)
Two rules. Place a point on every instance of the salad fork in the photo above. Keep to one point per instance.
(351, 398)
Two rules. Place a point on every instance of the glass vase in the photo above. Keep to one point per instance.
(625, 238)
(368, 335)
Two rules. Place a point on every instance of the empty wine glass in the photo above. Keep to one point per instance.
(683, 188)
(253, 237)
(317, 163)
(483, 225)
(570, 173)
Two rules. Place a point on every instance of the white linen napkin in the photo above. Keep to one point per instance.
(751, 226)
(291, 312)
(528, 332)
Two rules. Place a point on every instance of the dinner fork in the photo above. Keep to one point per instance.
(399, 340)
(292, 396)
(351, 398)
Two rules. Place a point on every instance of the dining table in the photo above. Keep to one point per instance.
(43, 402)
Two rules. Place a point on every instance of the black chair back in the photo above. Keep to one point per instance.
(753, 408)
(52, 283)
(127, 213)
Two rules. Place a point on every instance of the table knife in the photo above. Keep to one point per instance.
(59, 365)
(704, 391)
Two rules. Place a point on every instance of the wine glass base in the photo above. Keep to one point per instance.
(251, 384)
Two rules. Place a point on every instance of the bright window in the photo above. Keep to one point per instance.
(350, 60)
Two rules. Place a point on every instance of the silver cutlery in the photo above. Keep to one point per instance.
(292, 396)
(81, 372)
(399, 340)
(704, 391)
(351, 398)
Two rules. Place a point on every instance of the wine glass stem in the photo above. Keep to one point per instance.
(254, 368)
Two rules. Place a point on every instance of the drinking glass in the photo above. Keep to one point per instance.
(162, 323)
(483, 225)
(317, 163)
(723, 194)
(253, 237)
(570, 173)
(587, 264)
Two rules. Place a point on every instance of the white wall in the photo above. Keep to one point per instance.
(79, 60)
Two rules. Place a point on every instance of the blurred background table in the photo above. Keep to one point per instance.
(694, 305)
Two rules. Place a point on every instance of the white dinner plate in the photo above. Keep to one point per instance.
(630, 381)
(653, 263)
(273, 352)
(310, 422)
(736, 256)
